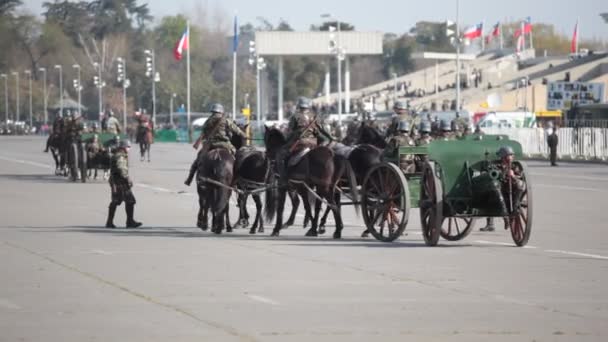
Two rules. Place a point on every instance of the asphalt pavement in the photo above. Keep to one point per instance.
(64, 277)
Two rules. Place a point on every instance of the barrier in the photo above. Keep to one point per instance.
(584, 143)
(165, 135)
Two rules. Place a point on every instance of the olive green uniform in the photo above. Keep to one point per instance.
(120, 185)
(217, 130)
(113, 126)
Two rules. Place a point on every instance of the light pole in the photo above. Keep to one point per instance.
(16, 74)
(99, 83)
(60, 88)
(29, 73)
(151, 72)
(122, 78)
(394, 88)
(171, 108)
(5, 97)
(78, 88)
(260, 64)
(336, 48)
(46, 118)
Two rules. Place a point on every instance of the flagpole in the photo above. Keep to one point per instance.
(531, 41)
(483, 43)
(500, 32)
(234, 47)
(188, 79)
(578, 33)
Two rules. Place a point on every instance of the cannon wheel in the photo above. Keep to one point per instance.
(83, 165)
(520, 223)
(431, 203)
(386, 202)
(456, 228)
(73, 162)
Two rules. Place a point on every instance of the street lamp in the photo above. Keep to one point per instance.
(29, 73)
(99, 83)
(394, 87)
(46, 119)
(260, 64)
(151, 72)
(5, 97)
(78, 87)
(121, 68)
(60, 88)
(16, 74)
(171, 108)
(340, 52)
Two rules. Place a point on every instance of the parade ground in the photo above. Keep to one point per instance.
(64, 277)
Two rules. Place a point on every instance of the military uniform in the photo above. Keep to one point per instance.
(113, 126)
(424, 139)
(121, 185)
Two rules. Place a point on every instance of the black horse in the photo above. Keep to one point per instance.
(57, 146)
(214, 167)
(371, 136)
(319, 169)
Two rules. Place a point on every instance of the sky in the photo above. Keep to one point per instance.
(395, 16)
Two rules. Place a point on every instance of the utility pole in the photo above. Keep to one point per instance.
(46, 116)
(29, 73)
(16, 74)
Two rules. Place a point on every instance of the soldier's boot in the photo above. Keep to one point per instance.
(111, 212)
(191, 174)
(489, 226)
(131, 223)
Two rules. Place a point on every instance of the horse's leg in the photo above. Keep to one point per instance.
(226, 211)
(259, 220)
(307, 207)
(295, 203)
(202, 210)
(280, 207)
(148, 150)
(142, 151)
(324, 220)
(337, 215)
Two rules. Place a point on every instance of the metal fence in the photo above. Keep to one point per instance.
(574, 143)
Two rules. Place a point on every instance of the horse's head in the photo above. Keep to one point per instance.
(370, 135)
(274, 139)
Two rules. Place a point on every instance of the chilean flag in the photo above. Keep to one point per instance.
(496, 30)
(574, 42)
(473, 31)
(181, 46)
(527, 28)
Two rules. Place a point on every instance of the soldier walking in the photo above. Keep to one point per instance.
(113, 126)
(552, 141)
(121, 184)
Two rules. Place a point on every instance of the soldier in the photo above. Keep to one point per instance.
(401, 139)
(215, 133)
(446, 131)
(425, 136)
(143, 125)
(401, 114)
(552, 141)
(74, 127)
(301, 128)
(121, 184)
(113, 126)
(94, 128)
(459, 123)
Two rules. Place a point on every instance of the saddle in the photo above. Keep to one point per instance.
(298, 151)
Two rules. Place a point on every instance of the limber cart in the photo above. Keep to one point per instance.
(452, 183)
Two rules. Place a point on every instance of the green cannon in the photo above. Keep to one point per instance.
(452, 183)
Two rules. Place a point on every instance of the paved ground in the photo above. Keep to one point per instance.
(65, 278)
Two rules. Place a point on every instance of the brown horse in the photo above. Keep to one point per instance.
(318, 170)
(145, 138)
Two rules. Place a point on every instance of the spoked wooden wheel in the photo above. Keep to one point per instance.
(385, 202)
(520, 222)
(431, 203)
(82, 156)
(456, 228)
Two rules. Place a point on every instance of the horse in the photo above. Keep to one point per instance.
(361, 158)
(217, 166)
(371, 136)
(56, 145)
(318, 169)
(145, 139)
(251, 169)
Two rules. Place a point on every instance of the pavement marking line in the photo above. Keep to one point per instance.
(586, 255)
(565, 187)
(7, 304)
(102, 252)
(495, 243)
(27, 162)
(227, 329)
(155, 188)
(263, 299)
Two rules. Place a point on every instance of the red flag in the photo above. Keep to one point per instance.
(574, 42)
(496, 30)
(181, 46)
(473, 32)
(527, 27)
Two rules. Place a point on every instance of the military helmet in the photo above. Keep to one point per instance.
(303, 103)
(504, 151)
(124, 143)
(111, 113)
(399, 105)
(425, 127)
(445, 126)
(216, 108)
(404, 126)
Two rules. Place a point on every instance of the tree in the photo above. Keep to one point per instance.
(7, 7)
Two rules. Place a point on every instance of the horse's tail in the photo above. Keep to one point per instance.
(352, 183)
(270, 207)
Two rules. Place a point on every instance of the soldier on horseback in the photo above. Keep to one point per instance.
(302, 129)
(57, 134)
(215, 134)
(113, 126)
